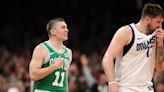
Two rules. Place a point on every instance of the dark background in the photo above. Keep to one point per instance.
(92, 23)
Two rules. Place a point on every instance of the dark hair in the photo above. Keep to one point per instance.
(52, 22)
(152, 10)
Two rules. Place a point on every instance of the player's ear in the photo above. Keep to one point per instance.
(52, 31)
(148, 19)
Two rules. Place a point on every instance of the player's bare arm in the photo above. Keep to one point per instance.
(160, 37)
(38, 57)
(121, 38)
(160, 47)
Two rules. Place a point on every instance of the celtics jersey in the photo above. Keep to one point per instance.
(55, 81)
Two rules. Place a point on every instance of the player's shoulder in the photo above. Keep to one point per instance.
(69, 52)
(68, 49)
(124, 33)
(39, 47)
(125, 29)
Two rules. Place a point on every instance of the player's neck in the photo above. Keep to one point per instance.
(56, 44)
(141, 26)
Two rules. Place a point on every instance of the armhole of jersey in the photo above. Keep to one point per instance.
(47, 58)
(127, 47)
(66, 50)
(68, 56)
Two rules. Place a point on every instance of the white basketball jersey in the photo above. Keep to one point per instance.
(136, 67)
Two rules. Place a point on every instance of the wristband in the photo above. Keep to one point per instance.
(112, 82)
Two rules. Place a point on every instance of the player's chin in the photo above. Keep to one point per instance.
(65, 38)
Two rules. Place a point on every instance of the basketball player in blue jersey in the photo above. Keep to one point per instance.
(134, 49)
(51, 60)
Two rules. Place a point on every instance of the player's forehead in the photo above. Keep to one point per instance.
(159, 18)
(60, 23)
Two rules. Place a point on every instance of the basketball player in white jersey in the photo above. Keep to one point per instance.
(134, 49)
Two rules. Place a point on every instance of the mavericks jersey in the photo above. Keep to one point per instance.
(55, 81)
(135, 67)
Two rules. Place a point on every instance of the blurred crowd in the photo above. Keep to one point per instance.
(14, 73)
(85, 72)
(91, 23)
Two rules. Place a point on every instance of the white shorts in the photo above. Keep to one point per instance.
(136, 89)
(37, 90)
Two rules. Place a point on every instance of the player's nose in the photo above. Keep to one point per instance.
(67, 30)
